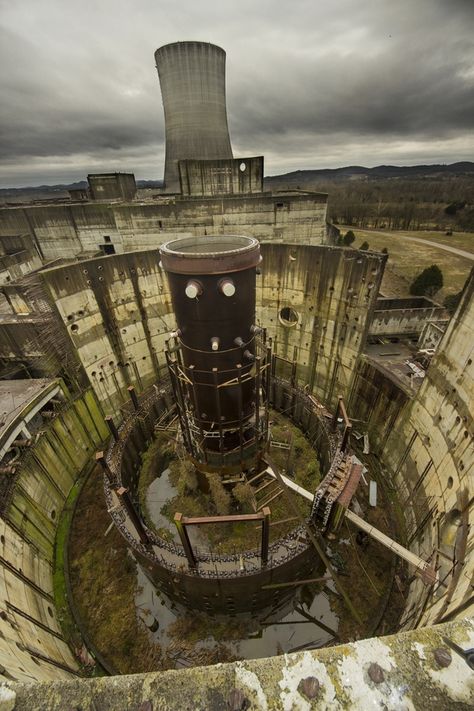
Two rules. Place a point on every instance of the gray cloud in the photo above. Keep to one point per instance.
(308, 85)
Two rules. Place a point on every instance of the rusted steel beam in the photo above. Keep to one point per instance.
(265, 535)
(112, 427)
(236, 518)
(185, 542)
(343, 411)
(100, 459)
(124, 498)
(133, 397)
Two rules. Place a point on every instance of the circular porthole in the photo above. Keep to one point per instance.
(242, 167)
(288, 316)
(74, 328)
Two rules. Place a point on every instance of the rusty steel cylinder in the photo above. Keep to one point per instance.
(212, 284)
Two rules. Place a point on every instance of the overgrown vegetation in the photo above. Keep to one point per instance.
(104, 583)
(104, 580)
(297, 459)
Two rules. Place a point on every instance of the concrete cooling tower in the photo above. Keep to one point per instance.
(192, 79)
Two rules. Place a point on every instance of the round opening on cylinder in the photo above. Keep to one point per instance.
(210, 254)
(288, 316)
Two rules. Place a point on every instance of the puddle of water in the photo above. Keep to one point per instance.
(276, 635)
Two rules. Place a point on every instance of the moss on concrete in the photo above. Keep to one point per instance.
(104, 585)
(61, 601)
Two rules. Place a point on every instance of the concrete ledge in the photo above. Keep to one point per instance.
(410, 670)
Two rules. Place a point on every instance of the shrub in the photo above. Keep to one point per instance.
(243, 492)
(348, 238)
(219, 493)
(364, 245)
(428, 282)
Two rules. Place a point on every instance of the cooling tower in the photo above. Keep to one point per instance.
(192, 79)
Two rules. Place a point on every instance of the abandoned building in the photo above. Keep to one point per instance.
(209, 314)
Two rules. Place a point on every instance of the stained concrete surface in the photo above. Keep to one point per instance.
(404, 672)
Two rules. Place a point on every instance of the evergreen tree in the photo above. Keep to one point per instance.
(348, 238)
(428, 282)
(364, 245)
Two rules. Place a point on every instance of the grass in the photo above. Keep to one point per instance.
(407, 259)
(459, 240)
(300, 461)
(104, 584)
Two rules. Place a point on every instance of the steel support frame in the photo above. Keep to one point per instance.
(181, 523)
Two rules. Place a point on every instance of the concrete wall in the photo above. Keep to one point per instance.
(18, 256)
(31, 642)
(431, 334)
(425, 446)
(117, 312)
(403, 671)
(332, 292)
(404, 316)
(422, 445)
(20, 338)
(237, 176)
(70, 230)
(112, 186)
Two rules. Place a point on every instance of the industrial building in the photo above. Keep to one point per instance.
(200, 314)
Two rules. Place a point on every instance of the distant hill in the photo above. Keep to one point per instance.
(60, 190)
(296, 178)
(302, 177)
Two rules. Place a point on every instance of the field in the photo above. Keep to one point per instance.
(407, 258)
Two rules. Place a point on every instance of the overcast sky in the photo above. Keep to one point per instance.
(310, 84)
